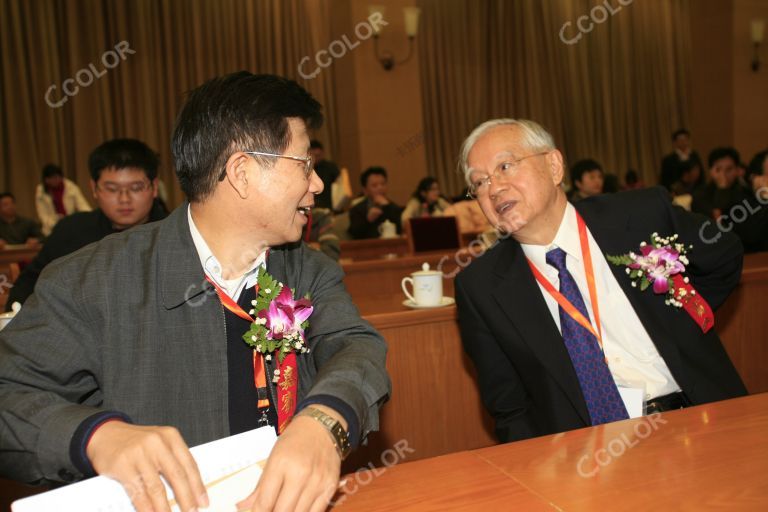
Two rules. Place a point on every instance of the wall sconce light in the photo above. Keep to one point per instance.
(387, 59)
(757, 33)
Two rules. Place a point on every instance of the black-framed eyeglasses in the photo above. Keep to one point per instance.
(133, 189)
(480, 186)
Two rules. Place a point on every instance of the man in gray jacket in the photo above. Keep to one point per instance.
(132, 349)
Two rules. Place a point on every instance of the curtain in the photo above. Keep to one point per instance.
(165, 48)
(615, 93)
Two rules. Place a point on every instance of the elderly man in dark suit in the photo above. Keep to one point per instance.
(562, 338)
(134, 346)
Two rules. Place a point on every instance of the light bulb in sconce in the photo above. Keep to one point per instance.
(757, 30)
(386, 58)
(757, 34)
(377, 12)
(411, 21)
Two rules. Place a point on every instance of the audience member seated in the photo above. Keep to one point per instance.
(15, 229)
(742, 173)
(57, 197)
(425, 201)
(670, 164)
(758, 166)
(468, 215)
(547, 359)
(366, 216)
(610, 183)
(691, 178)
(126, 354)
(724, 189)
(587, 179)
(632, 181)
(124, 185)
(690, 182)
(754, 230)
(326, 170)
(321, 234)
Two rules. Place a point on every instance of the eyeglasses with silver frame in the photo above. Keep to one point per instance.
(308, 167)
(481, 185)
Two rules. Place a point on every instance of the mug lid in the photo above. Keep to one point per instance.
(425, 271)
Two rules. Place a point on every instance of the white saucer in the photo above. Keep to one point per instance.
(445, 301)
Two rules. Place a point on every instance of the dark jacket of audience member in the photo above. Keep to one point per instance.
(359, 227)
(15, 229)
(610, 183)
(713, 202)
(374, 183)
(691, 179)
(69, 234)
(670, 167)
(758, 166)
(670, 164)
(753, 231)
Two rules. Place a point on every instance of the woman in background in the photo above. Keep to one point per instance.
(425, 201)
(57, 197)
(468, 214)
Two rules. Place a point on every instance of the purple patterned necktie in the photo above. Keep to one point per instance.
(597, 385)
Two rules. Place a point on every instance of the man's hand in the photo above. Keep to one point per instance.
(302, 472)
(374, 213)
(136, 456)
(32, 242)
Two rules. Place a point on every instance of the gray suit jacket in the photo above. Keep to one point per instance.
(129, 324)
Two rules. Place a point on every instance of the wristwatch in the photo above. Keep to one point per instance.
(338, 434)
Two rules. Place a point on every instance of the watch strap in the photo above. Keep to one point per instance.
(333, 426)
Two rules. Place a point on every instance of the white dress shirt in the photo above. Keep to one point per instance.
(632, 357)
(212, 267)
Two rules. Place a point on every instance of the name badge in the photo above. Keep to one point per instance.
(634, 400)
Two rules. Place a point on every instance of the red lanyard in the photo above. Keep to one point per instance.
(564, 303)
(259, 374)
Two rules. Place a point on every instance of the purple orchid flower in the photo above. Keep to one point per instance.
(658, 264)
(285, 315)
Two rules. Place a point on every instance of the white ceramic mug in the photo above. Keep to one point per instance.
(388, 229)
(5, 318)
(427, 286)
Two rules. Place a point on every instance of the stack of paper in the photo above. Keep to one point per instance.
(230, 469)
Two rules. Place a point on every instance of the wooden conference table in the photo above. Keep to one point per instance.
(434, 382)
(710, 457)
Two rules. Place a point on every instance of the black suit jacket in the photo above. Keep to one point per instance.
(526, 378)
(360, 228)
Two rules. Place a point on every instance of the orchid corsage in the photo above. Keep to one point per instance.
(279, 319)
(657, 265)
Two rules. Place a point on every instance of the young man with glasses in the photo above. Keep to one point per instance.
(132, 349)
(560, 337)
(124, 186)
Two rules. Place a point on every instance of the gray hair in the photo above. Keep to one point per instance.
(534, 138)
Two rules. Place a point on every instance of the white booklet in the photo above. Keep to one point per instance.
(230, 469)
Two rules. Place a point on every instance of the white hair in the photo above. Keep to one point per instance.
(534, 137)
